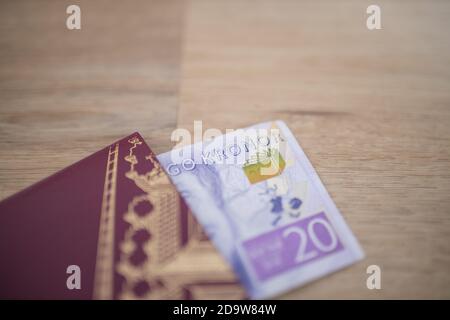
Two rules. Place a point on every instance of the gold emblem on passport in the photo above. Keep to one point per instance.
(264, 165)
(163, 253)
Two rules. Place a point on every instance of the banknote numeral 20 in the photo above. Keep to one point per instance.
(310, 234)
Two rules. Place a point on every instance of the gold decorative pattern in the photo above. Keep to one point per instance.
(161, 223)
(104, 272)
(169, 266)
(172, 269)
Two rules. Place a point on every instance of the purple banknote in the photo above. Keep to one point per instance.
(264, 207)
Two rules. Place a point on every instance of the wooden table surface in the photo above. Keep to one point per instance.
(67, 93)
(371, 109)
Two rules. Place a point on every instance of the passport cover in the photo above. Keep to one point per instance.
(116, 215)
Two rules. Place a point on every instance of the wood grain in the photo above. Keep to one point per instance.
(67, 93)
(370, 108)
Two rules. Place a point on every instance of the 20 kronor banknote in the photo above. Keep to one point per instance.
(264, 207)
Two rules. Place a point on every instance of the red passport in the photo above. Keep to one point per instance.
(110, 226)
